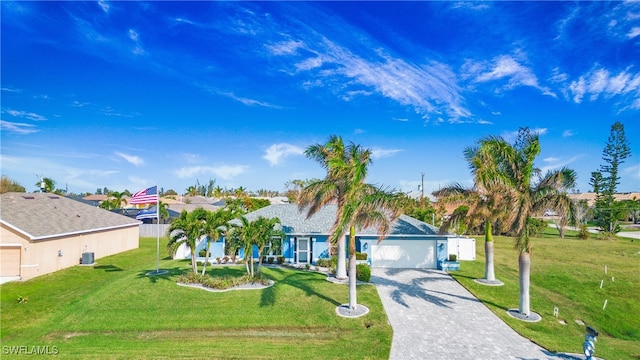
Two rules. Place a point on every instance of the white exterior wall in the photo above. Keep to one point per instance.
(463, 247)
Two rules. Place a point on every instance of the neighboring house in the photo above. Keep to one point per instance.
(95, 199)
(591, 197)
(41, 233)
(410, 244)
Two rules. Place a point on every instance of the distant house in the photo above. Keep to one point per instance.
(410, 244)
(41, 233)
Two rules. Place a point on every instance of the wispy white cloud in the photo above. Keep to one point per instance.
(137, 49)
(555, 163)
(191, 158)
(26, 115)
(8, 89)
(429, 88)
(634, 32)
(132, 159)
(600, 82)
(400, 119)
(225, 172)
(247, 101)
(276, 153)
(284, 47)
(104, 5)
(507, 68)
(18, 128)
(567, 133)
(378, 153)
(358, 131)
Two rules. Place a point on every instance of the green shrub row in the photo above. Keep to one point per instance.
(361, 256)
(220, 283)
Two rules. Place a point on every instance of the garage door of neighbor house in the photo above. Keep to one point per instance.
(415, 254)
(10, 261)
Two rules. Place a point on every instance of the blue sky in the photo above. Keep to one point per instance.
(128, 95)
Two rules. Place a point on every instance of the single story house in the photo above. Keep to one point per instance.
(41, 233)
(410, 244)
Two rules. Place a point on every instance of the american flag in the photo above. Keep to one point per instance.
(146, 196)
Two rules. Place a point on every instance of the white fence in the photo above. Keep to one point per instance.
(151, 230)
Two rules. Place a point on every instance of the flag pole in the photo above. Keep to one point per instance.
(158, 233)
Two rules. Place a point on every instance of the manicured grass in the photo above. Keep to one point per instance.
(113, 310)
(566, 273)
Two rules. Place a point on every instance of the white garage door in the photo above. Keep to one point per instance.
(415, 254)
(10, 260)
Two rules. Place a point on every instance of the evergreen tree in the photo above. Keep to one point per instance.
(606, 180)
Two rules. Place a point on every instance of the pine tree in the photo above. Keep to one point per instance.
(606, 180)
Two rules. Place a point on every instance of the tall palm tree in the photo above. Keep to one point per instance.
(188, 229)
(512, 166)
(332, 188)
(360, 205)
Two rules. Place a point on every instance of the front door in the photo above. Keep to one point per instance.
(303, 250)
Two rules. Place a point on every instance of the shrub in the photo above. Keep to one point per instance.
(225, 259)
(280, 259)
(584, 233)
(361, 256)
(535, 226)
(202, 253)
(326, 263)
(453, 257)
(218, 260)
(270, 260)
(363, 272)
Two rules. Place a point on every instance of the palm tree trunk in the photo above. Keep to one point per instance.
(524, 268)
(341, 271)
(194, 263)
(353, 296)
(489, 273)
(206, 259)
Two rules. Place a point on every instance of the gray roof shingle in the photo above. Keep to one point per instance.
(42, 215)
(295, 221)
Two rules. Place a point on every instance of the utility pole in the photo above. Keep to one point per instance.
(422, 187)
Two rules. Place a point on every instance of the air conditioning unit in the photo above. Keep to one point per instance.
(87, 257)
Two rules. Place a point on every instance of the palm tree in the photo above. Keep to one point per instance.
(487, 201)
(333, 188)
(215, 228)
(188, 229)
(259, 233)
(163, 211)
(512, 166)
(218, 192)
(359, 204)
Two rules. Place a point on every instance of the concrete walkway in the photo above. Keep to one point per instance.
(434, 317)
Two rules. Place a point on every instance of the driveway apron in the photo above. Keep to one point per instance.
(434, 317)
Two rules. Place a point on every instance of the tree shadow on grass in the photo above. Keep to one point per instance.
(107, 268)
(296, 278)
(164, 276)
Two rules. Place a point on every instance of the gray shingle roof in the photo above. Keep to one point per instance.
(40, 216)
(296, 222)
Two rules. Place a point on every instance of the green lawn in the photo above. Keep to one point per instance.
(114, 311)
(566, 273)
